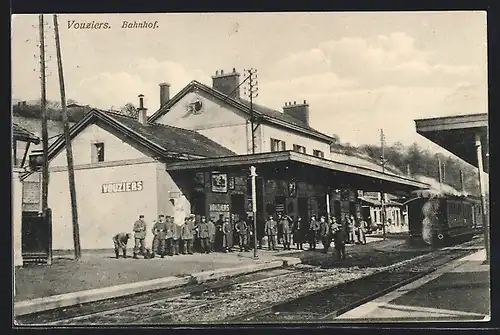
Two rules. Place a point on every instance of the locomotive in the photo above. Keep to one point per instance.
(441, 220)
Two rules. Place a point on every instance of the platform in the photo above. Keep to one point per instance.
(459, 291)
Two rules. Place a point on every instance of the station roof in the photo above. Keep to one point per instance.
(21, 134)
(354, 172)
(457, 135)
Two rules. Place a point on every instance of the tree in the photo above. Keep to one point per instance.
(130, 110)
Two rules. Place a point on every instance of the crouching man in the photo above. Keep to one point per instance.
(120, 241)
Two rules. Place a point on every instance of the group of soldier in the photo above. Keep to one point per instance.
(326, 231)
(170, 238)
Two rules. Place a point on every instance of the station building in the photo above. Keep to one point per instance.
(192, 156)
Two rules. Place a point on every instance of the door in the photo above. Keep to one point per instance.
(36, 237)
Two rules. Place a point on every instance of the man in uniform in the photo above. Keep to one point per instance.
(286, 231)
(313, 231)
(204, 235)
(159, 234)
(219, 234)
(140, 237)
(169, 233)
(271, 230)
(211, 232)
(324, 233)
(298, 233)
(187, 235)
(340, 237)
(120, 241)
(241, 228)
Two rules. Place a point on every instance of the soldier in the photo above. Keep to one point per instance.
(313, 231)
(204, 235)
(339, 238)
(286, 231)
(176, 236)
(140, 237)
(187, 235)
(324, 233)
(251, 242)
(120, 241)
(241, 228)
(169, 233)
(271, 231)
(211, 230)
(227, 229)
(159, 233)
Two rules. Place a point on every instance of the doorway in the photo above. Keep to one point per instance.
(238, 206)
(199, 204)
(303, 209)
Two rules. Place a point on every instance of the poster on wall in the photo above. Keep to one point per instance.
(292, 188)
(231, 183)
(219, 182)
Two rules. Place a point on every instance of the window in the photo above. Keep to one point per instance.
(299, 148)
(97, 152)
(318, 153)
(277, 145)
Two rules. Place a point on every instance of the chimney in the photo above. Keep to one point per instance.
(462, 186)
(227, 84)
(164, 94)
(298, 111)
(142, 115)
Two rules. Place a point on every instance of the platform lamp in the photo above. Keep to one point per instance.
(36, 160)
(253, 174)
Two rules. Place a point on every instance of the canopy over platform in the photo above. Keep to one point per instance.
(299, 166)
(457, 134)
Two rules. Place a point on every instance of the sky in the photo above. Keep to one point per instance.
(359, 71)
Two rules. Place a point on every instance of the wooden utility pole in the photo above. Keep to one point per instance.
(252, 92)
(43, 106)
(69, 150)
(440, 173)
(382, 194)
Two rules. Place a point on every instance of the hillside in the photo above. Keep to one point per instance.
(399, 158)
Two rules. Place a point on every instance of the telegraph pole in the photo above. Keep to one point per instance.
(253, 92)
(69, 149)
(382, 194)
(43, 106)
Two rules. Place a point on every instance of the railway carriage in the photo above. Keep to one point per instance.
(442, 220)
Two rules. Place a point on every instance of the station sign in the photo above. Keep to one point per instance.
(129, 186)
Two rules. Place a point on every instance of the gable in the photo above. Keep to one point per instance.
(115, 149)
(214, 113)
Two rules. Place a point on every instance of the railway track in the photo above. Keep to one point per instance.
(299, 293)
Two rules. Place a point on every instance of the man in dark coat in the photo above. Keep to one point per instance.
(212, 232)
(313, 231)
(324, 233)
(340, 237)
(204, 235)
(271, 231)
(286, 231)
(120, 241)
(298, 233)
(159, 233)
(140, 237)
